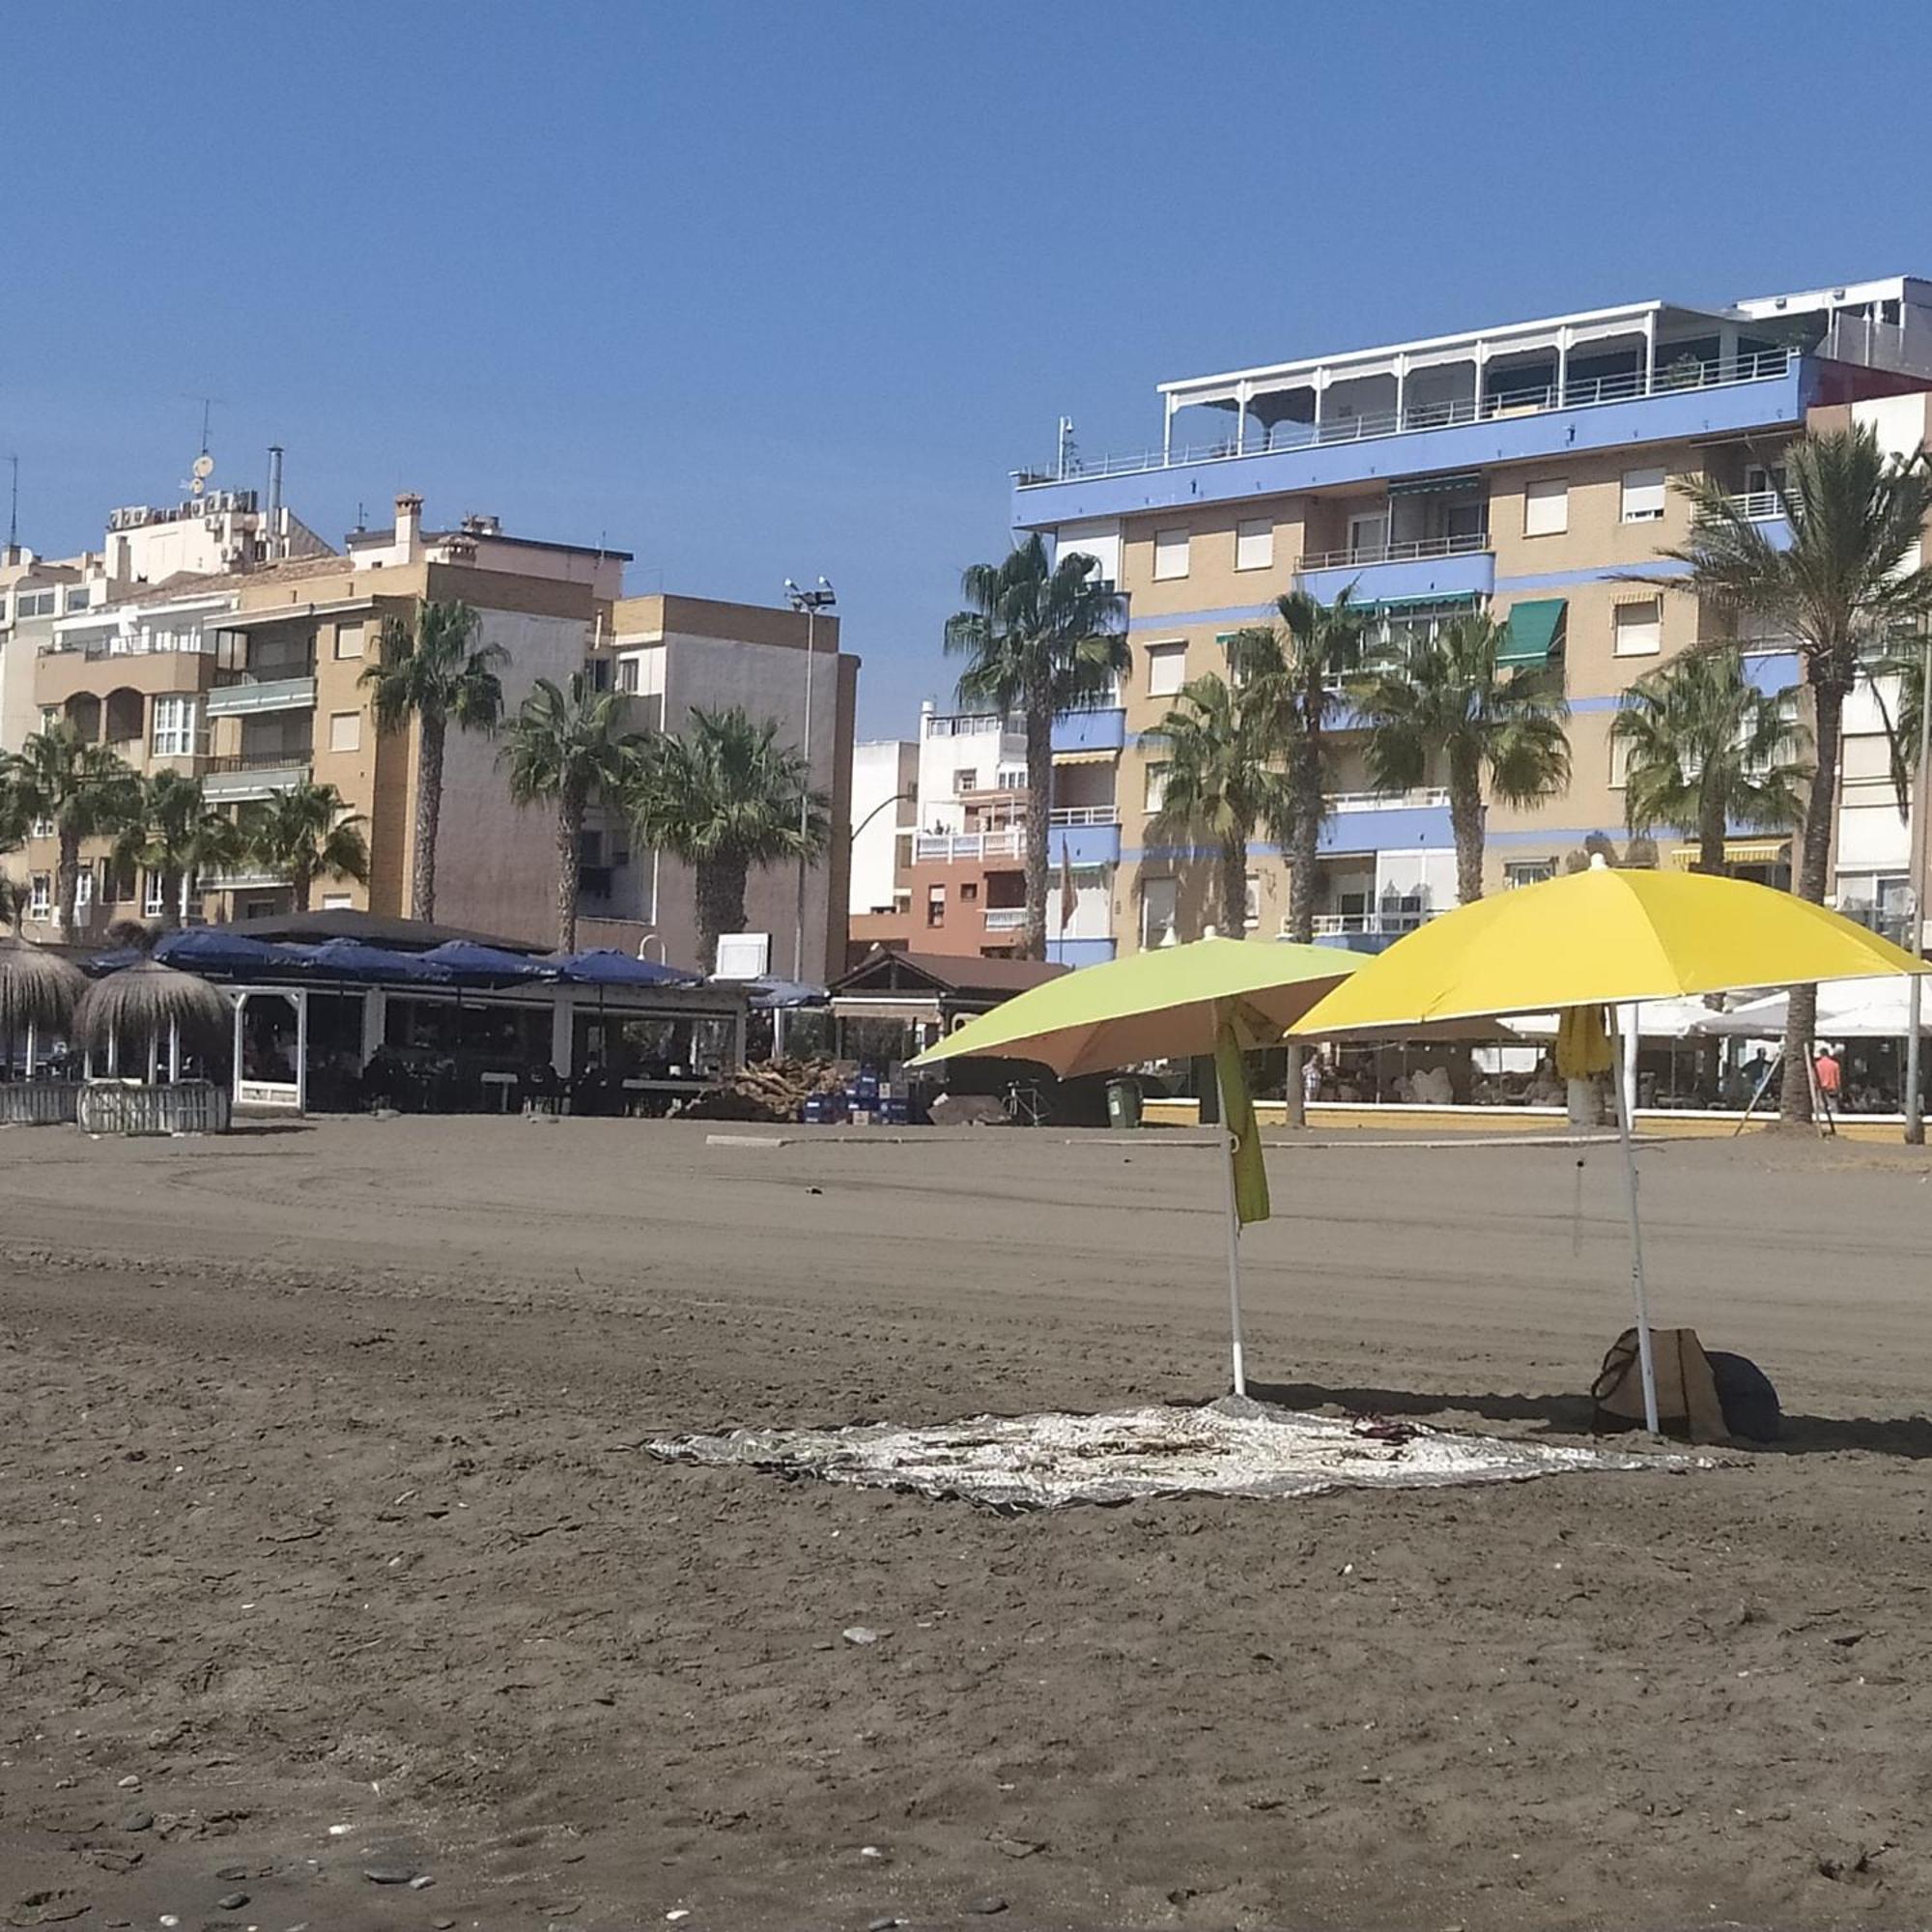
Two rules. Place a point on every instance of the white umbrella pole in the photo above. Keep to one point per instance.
(1646, 1364)
(1234, 1251)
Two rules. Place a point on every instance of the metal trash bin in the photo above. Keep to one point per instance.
(1123, 1103)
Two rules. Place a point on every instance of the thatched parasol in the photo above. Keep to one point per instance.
(146, 1001)
(38, 988)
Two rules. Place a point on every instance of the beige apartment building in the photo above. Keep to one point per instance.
(1526, 470)
(248, 676)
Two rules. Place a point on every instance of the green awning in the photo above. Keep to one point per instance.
(1531, 632)
(1429, 486)
(1449, 604)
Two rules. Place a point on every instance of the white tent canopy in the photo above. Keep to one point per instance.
(1847, 1009)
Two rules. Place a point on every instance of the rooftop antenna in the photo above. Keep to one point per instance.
(204, 465)
(274, 545)
(13, 507)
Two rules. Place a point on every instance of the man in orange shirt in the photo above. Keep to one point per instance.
(1826, 1068)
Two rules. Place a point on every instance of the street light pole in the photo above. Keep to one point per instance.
(1921, 819)
(810, 603)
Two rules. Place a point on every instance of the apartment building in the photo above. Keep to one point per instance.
(673, 654)
(961, 880)
(885, 815)
(1526, 470)
(243, 668)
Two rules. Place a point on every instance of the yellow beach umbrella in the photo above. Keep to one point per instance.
(1603, 938)
(1212, 996)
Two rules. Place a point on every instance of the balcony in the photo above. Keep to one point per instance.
(241, 775)
(1449, 566)
(952, 848)
(1004, 919)
(1675, 403)
(1372, 821)
(242, 879)
(1102, 730)
(1083, 835)
(1369, 931)
(66, 672)
(243, 694)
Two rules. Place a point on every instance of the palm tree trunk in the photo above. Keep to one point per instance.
(1465, 825)
(1235, 885)
(720, 906)
(67, 883)
(301, 883)
(429, 811)
(1302, 859)
(569, 856)
(1712, 826)
(173, 889)
(1828, 703)
(1039, 818)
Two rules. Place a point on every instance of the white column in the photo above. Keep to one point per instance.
(113, 1054)
(1320, 380)
(235, 1072)
(1650, 352)
(1400, 388)
(174, 1052)
(1242, 393)
(1727, 348)
(31, 1044)
(300, 998)
(1167, 430)
(153, 1058)
(1482, 364)
(563, 1033)
(375, 1022)
(1562, 367)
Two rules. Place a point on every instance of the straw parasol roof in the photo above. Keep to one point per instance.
(38, 988)
(142, 1001)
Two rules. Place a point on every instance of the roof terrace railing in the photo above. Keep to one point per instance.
(1464, 543)
(1589, 392)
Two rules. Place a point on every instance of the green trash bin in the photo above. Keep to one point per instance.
(1123, 1103)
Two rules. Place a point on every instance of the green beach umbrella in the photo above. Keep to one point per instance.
(1213, 996)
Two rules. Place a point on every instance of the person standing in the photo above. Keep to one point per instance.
(1830, 1074)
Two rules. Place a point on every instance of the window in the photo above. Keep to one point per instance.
(349, 641)
(597, 673)
(1527, 871)
(1170, 555)
(1643, 496)
(968, 892)
(1159, 904)
(1638, 628)
(154, 901)
(646, 672)
(1254, 545)
(1155, 786)
(1167, 670)
(589, 848)
(935, 905)
(1620, 760)
(337, 901)
(1368, 533)
(83, 891)
(40, 895)
(1546, 507)
(77, 600)
(966, 778)
(43, 602)
(1761, 479)
(174, 728)
(345, 731)
(1251, 911)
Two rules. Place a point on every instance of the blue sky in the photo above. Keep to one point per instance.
(764, 290)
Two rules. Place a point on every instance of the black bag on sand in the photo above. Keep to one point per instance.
(1745, 1394)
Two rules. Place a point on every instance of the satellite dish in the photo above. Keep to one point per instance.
(204, 468)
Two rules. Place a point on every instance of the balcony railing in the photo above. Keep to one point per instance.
(1421, 798)
(1384, 923)
(257, 761)
(1767, 366)
(237, 694)
(1004, 919)
(1411, 550)
(1758, 505)
(1085, 814)
(167, 644)
(950, 847)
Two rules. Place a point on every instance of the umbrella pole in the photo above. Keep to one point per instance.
(1646, 1364)
(1234, 1249)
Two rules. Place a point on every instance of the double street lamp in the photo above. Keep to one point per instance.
(810, 603)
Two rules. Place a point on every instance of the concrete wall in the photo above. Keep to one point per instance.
(885, 774)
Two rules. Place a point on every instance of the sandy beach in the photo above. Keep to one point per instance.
(329, 1545)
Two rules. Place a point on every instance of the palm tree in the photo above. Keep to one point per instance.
(1449, 703)
(429, 668)
(723, 798)
(570, 749)
(1707, 750)
(1291, 674)
(176, 835)
(1840, 589)
(85, 789)
(1039, 639)
(1905, 660)
(15, 823)
(1223, 779)
(306, 832)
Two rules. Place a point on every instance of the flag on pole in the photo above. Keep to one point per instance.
(1237, 1115)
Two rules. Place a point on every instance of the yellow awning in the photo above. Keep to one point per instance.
(1085, 758)
(1738, 852)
